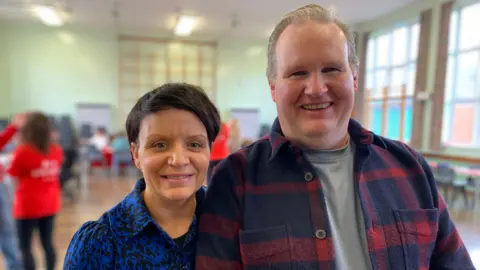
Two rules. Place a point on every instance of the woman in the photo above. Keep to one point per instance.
(170, 130)
(36, 166)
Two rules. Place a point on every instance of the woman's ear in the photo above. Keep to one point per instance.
(134, 152)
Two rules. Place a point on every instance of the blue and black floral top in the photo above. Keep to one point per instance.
(126, 237)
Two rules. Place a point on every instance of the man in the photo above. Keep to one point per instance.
(321, 192)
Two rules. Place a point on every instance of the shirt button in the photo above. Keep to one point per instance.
(308, 176)
(320, 234)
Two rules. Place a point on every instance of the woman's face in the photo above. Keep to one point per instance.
(173, 153)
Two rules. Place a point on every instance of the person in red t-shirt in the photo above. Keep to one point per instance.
(220, 149)
(36, 166)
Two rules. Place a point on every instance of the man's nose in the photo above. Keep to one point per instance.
(316, 84)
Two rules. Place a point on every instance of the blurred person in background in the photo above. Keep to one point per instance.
(235, 138)
(100, 139)
(69, 143)
(120, 142)
(8, 237)
(35, 166)
(120, 149)
(219, 149)
(246, 142)
(170, 131)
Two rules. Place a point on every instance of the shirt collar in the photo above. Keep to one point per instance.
(362, 137)
(132, 217)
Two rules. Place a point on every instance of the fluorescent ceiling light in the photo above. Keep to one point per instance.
(48, 15)
(185, 25)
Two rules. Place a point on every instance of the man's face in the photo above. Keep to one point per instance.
(314, 86)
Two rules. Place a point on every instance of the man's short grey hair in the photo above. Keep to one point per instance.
(304, 14)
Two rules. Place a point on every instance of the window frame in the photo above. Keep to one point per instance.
(387, 97)
(451, 99)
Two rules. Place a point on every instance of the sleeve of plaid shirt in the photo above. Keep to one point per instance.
(218, 243)
(449, 251)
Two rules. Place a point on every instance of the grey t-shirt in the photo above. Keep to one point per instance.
(335, 169)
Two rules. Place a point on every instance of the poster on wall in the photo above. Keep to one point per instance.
(93, 115)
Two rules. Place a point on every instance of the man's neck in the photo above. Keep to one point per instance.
(323, 142)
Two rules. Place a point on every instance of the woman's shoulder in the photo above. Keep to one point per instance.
(56, 148)
(91, 247)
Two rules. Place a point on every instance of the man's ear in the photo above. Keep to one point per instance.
(134, 151)
(272, 89)
(355, 80)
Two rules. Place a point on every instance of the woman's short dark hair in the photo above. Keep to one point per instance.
(37, 131)
(180, 96)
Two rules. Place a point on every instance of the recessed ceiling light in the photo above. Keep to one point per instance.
(185, 25)
(48, 15)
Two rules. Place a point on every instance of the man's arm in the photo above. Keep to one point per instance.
(218, 243)
(449, 251)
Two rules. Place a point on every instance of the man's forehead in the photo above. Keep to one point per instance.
(310, 30)
(314, 36)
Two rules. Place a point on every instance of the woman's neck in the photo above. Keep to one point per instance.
(174, 217)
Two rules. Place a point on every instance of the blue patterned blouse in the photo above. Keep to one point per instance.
(126, 237)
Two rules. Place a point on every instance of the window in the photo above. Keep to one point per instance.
(461, 119)
(390, 81)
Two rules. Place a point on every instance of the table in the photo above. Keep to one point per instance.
(468, 172)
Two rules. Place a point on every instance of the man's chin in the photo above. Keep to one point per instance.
(316, 129)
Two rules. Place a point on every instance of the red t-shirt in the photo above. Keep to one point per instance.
(38, 191)
(5, 137)
(220, 145)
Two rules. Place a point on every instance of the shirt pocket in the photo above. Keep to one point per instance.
(266, 248)
(418, 233)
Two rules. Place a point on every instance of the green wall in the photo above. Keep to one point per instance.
(241, 79)
(52, 69)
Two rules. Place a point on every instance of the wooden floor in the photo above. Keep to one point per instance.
(98, 195)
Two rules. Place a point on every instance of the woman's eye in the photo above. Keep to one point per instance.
(195, 145)
(160, 145)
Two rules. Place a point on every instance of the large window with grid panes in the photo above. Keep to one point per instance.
(390, 80)
(461, 119)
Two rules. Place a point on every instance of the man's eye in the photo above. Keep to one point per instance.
(299, 73)
(327, 70)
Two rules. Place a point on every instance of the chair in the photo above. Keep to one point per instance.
(122, 158)
(473, 185)
(93, 155)
(444, 177)
(447, 179)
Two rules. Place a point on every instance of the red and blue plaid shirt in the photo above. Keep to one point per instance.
(265, 209)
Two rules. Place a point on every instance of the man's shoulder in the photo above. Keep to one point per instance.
(258, 151)
(396, 148)
(400, 157)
